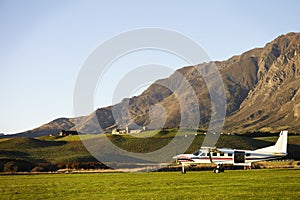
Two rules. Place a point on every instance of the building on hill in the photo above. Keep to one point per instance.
(127, 130)
(117, 131)
(135, 131)
(67, 133)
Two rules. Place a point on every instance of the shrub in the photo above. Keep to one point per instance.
(11, 166)
(37, 169)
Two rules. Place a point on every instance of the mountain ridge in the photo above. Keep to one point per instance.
(260, 84)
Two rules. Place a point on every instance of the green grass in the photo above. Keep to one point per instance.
(70, 148)
(71, 138)
(292, 139)
(238, 184)
(36, 150)
(161, 138)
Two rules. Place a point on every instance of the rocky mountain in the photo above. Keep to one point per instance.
(261, 87)
(274, 101)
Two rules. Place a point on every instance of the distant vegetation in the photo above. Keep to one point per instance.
(50, 153)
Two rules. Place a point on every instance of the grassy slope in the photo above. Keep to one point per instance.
(35, 150)
(254, 184)
(70, 148)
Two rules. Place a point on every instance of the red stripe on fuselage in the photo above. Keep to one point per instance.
(188, 159)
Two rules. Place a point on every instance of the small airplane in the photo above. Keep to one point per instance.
(223, 156)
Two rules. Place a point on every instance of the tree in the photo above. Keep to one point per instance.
(10, 166)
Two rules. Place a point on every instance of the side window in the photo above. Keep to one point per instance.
(215, 154)
(207, 154)
(229, 154)
(222, 154)
(248, 154)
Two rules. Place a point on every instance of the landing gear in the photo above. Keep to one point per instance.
(218, 169)
(247, 167)
(183, 171)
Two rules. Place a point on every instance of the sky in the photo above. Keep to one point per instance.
(43, 45)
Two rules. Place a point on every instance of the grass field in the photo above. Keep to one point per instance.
(237, 184)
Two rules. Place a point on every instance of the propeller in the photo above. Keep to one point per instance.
(210, 158)
(211, 149)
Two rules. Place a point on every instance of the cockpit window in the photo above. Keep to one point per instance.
(197, 153)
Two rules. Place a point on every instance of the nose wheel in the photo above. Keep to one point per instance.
(183, 171)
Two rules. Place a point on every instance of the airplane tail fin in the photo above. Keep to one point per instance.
(280, 146)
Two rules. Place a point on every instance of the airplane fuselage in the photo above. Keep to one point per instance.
(226, 156)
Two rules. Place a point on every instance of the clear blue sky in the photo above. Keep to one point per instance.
(44, 43)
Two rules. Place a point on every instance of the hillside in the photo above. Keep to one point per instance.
(261, 85)
(51, 153)
(53, 127)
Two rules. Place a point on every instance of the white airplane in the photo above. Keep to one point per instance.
(222, 156)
